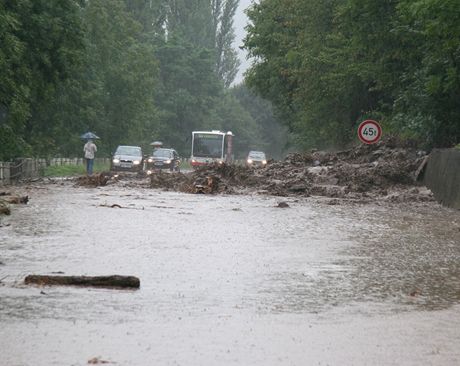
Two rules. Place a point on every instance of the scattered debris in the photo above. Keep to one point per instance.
(116, 205)
(7, 200)
(95, 180)
(16, 199)
(97, 361)
(387, 170)
(282, 205)
(97, 281)
(210, 179)
(4, 209)
(416, 292)
(174, 182)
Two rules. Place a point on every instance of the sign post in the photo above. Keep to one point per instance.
(369, 132)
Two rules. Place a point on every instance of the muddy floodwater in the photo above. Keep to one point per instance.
(228, 280)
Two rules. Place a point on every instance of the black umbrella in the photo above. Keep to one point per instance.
(89, 136)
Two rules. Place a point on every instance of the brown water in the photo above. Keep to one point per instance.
(229, 280)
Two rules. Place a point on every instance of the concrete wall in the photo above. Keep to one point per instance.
(442, 176)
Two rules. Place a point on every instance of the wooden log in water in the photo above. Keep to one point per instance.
(16, 199)
(90, 281)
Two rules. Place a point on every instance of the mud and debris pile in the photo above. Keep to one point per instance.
(95, 180)
(217, 178)
(387, 169)
(366, 169)
(7, 199)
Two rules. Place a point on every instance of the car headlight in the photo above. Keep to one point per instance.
(193, 161)
(149, 172)
(264, 162)
(168, 161)
(115, 161)
(249, 161)
(150, 160)
(136, 162)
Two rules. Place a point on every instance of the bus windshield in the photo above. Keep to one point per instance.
(206, 145)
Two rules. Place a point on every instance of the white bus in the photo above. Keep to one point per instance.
(210, 147)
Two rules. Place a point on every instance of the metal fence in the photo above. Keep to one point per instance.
(26, 168)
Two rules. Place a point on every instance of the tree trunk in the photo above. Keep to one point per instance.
(97, 281)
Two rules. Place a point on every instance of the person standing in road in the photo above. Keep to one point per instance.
(90, 149)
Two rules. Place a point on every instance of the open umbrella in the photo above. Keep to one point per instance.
(89, 135)
(156, 144)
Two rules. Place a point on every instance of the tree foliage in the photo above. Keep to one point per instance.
(41, 43)
(131, 71)
(326, 65)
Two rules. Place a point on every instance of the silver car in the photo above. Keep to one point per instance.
(127, 158)
(256, 158)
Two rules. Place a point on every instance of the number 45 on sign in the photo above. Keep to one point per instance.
(369, 131)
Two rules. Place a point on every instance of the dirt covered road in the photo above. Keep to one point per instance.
(228, 279)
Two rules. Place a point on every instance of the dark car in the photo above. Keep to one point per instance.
(256, 158)
(127, 158)
(163, 159)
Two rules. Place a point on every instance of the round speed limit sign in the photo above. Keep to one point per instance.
(369, 132)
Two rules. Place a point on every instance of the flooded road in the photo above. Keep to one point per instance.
(229, 280)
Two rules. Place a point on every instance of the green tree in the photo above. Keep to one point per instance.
(41, 44)
(427, 107)
(230, 115)
(270, 135)
(113, 92)
(328, 64)
(187, 92)
(227, 63)
(129, 70)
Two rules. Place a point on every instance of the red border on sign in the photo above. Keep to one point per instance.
(377, 126)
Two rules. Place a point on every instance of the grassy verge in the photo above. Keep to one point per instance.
(72, 170)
